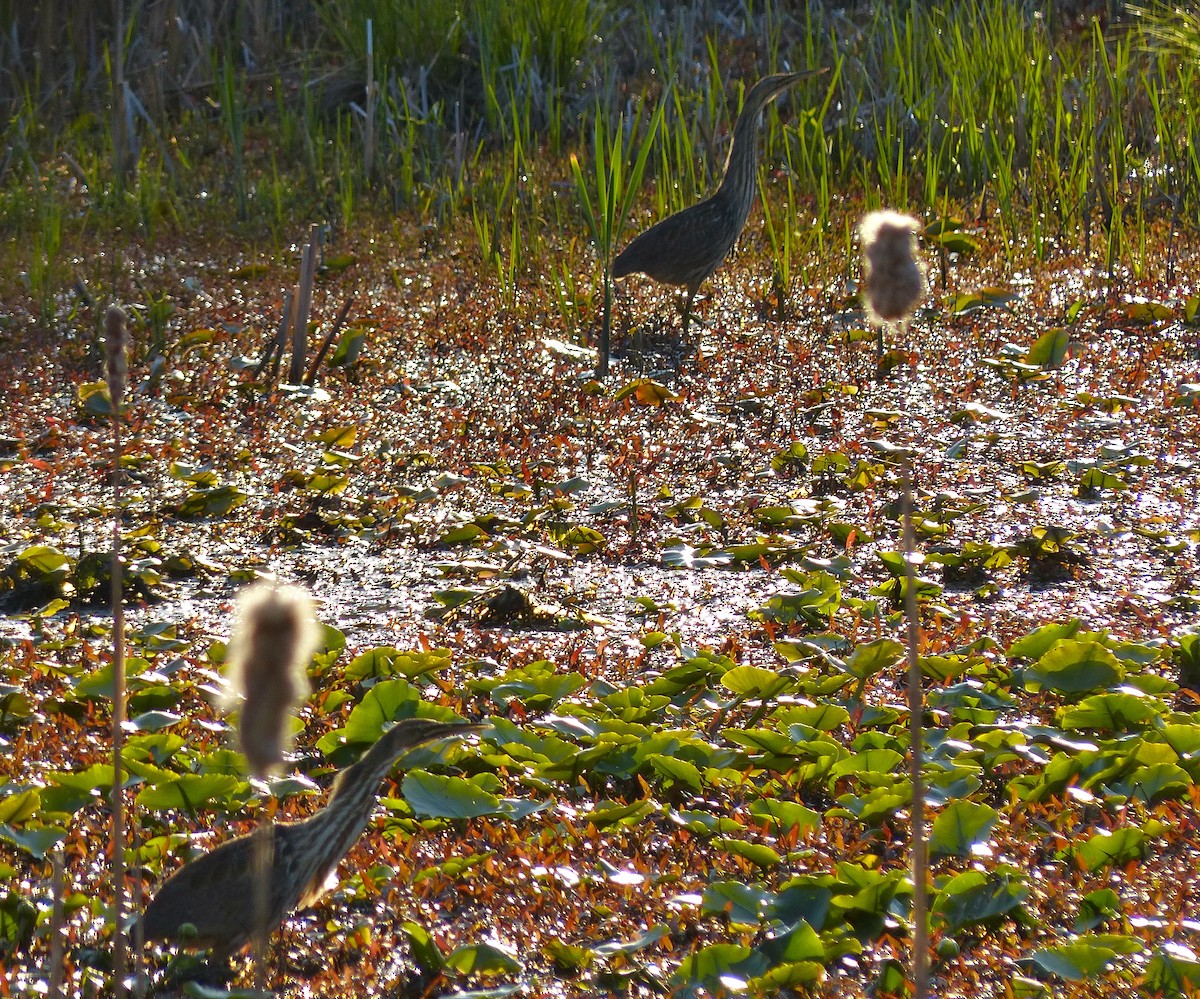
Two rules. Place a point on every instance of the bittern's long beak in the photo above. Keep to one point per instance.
(789, 79)
(454, 730)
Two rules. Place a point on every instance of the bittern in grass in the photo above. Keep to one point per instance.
(687, 247)
(208, 903)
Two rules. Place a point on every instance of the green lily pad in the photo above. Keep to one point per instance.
(1075, 667)
(438, 796)
(960, 826)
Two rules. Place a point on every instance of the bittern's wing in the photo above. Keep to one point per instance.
(215, 893)
(682, 249)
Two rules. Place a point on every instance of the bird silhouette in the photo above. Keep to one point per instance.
(210, 902)
(685, 248)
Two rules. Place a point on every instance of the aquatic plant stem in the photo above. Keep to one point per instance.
(118, 718)
(916, 712)
(57, 923)
(264, 859)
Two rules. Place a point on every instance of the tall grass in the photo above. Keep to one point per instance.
(233, 117)
(606, 197)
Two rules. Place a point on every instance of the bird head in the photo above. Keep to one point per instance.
(408, 733)
(770, 87)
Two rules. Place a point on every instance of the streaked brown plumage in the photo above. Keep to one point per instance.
(215, 893)
(685, 248)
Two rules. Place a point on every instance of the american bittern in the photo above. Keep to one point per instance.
(215, 893)
(685, 248)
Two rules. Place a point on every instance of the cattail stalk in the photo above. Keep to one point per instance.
(894, 279)
(894, 283)
(116, 340)
(916, 715)
(57, 924)
(273, 641)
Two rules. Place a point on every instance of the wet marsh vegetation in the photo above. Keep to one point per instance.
(674, 593)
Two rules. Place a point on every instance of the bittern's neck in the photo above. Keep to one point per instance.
(357, 786)
(740, 182)
(335, 828)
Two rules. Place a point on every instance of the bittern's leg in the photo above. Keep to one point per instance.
(687, 309)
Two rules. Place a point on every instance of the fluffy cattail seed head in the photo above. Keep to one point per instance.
(116, 342)
(273, 641)
(893, 275)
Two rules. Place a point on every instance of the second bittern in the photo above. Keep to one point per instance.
(688, 246)
(210, 901)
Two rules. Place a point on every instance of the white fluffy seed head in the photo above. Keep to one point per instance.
(116, 342)
(893, 275)
(273, 641)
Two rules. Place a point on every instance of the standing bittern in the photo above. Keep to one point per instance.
(685, 248)
(215, 893)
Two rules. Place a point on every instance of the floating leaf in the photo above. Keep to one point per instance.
(18, 917)
(338, 436)
(716, 961)
(385, 660)
(1144, 311)
(684, 556)
(957, 242)
(567, 958)
(975, 412)
(677, 770)
(349, 347)
(975, 897)
(742, 903)
(1075, 667)
(1173, 973)
(984, 298)
(483, 959)
(1050, 349)
(93, 399)
(250, 271)
(646, 392)
(448, 797)
(1097, 907)
(757, 853)
(960, 826)
(192, 792)
(34, 840)
(799, 944)
(463, 534)
(1188, 394)
(1076, 961)
(754, 681)
(874, 657)
(785, 816)
(1111, 849)
(783, 978)
(19, 807)
(43, 560)
(214, 502)
(386, 702)
(1158, 782)
(155, 721)
(423, 947)
(1111, 711)
(1040, 641)
(336, 263)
